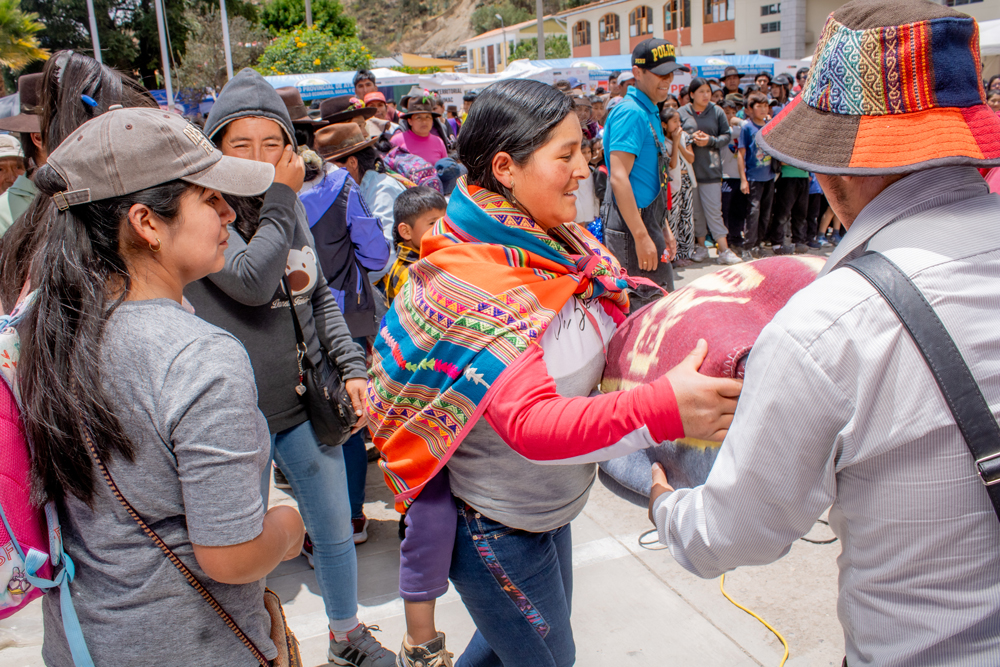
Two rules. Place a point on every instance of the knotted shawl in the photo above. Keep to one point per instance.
(487, 285)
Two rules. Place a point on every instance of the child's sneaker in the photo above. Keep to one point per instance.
(430, 654)
(360, 650)
(360, 526)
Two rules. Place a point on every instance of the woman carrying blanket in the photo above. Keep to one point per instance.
(506, 317)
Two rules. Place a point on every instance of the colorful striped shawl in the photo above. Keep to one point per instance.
(487, 285)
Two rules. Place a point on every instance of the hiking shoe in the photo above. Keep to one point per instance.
(784, 250)
(700, 254)
(801, 249)
(757, 252)
(746, 256)
(360, 650)
(360, 529)
(815, 244)
(431, 654)
(307, 551)
(280, 481)
(728, 257)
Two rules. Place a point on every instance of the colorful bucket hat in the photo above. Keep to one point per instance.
(894, 88)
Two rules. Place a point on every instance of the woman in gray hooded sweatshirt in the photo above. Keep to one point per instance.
(271, 240)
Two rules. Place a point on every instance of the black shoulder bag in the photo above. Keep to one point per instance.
(966, 401)
(321, 389)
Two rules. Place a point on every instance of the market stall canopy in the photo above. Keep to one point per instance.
(320, 85)
(989, 37)
(706, 66)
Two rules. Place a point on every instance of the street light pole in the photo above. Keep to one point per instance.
(225, 40)
(309, 13)
(539, 10)
(503, 29)
(164, 54)
(93, 31)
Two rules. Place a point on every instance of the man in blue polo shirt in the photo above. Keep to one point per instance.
(635, 207)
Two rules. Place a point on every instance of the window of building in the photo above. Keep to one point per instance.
(640, 21)
(768, 10)
(676, 15)
(773, 26)
(608, 27)
(955, 3)
(771, 53)
(717, 11)
(581, 33)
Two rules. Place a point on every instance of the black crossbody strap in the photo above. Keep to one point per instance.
(966, 401)
(301, 347)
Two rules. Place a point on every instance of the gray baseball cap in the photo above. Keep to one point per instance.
(127, 150)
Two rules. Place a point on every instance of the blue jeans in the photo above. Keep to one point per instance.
(356, 459)
(518, 588)
(319, 481)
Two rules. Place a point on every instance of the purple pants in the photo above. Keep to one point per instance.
(425, 554)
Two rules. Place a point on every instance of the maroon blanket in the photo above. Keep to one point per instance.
(729, 309)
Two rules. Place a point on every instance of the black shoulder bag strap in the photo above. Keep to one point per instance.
(969, 407)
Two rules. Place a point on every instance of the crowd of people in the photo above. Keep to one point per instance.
(462, 272)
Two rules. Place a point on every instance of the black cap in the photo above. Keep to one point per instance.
(470, 96)
(657, 56)
(782, 79)
(730, 71)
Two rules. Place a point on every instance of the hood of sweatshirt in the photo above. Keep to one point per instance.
(248, 94)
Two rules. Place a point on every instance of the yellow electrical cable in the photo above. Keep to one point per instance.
(722, 581)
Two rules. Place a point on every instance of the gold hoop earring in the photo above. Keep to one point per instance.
(157, 248)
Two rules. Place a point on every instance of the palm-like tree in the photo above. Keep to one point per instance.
(18, 40)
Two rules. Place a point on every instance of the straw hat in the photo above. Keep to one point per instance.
(894, 88)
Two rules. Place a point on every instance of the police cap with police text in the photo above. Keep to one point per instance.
(657, 56)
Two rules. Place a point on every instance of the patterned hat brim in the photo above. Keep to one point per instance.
(828, 143)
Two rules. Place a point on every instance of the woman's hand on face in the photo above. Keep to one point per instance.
(356, 388)
(290, 170)
(706, 404)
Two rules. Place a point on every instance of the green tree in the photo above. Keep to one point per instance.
(280, 16)
(204, 63)
(18, 36)
(127, 29)
(555, 47)
(484, 18)
(311, 50)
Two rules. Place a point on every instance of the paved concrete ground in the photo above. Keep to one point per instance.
(632, 606)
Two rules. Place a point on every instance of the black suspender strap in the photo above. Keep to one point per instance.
(969, 407)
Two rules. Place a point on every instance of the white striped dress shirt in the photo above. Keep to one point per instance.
(839, 408)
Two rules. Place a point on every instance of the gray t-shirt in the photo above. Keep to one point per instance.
(185, 394)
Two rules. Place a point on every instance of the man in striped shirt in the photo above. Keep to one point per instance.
(839, 408)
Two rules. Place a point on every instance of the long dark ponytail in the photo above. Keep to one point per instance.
(81, 276)
(74, 89)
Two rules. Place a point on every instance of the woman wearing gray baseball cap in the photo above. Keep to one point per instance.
(168, 401)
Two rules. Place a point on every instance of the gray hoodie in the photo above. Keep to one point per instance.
(247, 299)
(248, 94)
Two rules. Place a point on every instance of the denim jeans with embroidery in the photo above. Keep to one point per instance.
(518, 588)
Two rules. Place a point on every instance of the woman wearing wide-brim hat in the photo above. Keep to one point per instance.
(419, 136)
(346, 109)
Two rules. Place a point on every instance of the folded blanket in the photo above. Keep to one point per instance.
(729, 309)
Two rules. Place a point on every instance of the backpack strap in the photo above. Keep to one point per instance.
(172, 557)
(964, 398)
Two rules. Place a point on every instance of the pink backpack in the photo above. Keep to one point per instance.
(32, 559)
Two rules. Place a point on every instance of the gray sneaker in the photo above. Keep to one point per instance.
(700, 254)
(360, 650)
(729, 257)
